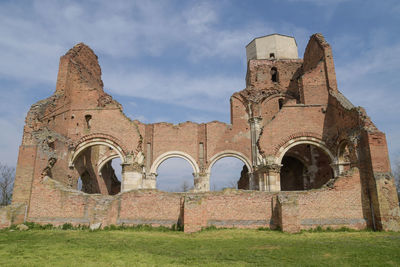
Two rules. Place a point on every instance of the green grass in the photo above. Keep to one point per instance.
(234, 247)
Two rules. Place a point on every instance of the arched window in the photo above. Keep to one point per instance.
(271, 56)
(274, 74)
(88, 119)
(280, 102)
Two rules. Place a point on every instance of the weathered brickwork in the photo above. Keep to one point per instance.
(310, 157)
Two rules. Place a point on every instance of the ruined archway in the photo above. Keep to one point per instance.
(230, 160)
(175, 175)
(229, 153)
(305, 164)
(96, 141)
(175, 154)
(226, 173)
(92, 159)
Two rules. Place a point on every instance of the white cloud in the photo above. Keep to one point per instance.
(200, 17)
(203, 93)
(367, 74)
(10, 136)
(33, 40)
(364, 79)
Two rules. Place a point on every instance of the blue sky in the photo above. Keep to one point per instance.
(182, 60)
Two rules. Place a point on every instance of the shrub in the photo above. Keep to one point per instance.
(67, 226)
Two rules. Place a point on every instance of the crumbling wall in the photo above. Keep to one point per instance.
(289, 123)
(12, 215)
(284, 102)
(53, 203)
(318, 71)
(260, 72)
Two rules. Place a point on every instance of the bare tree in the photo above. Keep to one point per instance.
(7, 175)
(185, 187)
(232, 184)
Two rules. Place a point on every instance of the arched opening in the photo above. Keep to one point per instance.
(305, 166)
(228, 172)
(344, 157)
(271, 56)
(79, 184)
(88, 119)
(99, 169)
(274, 75)
(175, 175)
(111, 174)
(280, 103)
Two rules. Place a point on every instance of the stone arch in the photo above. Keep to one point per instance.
(230, 153)
(301, 159)
(106, 159)
(267, 96)
(96, 141)
(316, 169)
(174, 154)
(97, 174)
(303, 140)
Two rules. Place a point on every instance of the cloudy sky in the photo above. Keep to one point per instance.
(182, 60)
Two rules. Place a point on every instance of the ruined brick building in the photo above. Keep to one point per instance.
(310, 157)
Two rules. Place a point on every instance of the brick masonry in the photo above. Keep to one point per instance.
(336, 161)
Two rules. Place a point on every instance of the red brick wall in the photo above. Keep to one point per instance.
(337, 207)
(312, 108)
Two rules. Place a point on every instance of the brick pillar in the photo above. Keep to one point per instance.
(201, 182)
(382, 186)
(131, 177)
(194, 215)
(24, 174)
(288, 213)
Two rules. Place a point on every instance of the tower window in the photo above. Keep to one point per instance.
(274, 74)
(280, 102)
(88, 118)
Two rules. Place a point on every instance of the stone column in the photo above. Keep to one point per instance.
(269, 178)
(131, 177)
(201, 182)
(274, 177)
(255, 130)
(149, 181)
(252, 185)
(337, 169)
(261, 181)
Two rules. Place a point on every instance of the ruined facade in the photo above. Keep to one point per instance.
(310, 157)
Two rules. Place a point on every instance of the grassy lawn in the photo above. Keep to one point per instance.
(211, 248)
